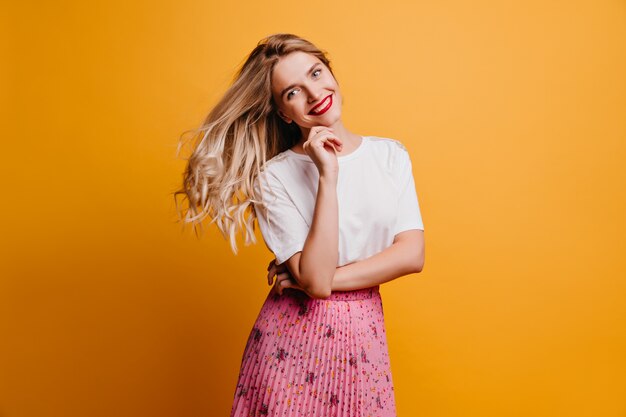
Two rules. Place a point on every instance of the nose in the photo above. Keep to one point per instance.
(315, 95)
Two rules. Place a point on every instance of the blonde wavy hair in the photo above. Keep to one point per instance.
(240, 134)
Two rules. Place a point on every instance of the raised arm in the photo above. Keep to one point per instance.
(314, 268)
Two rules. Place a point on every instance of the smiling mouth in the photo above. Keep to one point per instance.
(326, 103)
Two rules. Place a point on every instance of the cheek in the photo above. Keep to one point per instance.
(337, 99)
(333, 81)
(335, 87)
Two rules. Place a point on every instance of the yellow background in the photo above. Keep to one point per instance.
(515, 118)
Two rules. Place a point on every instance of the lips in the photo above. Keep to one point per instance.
(323, 106)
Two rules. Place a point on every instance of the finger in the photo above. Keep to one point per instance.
(279, 286)
(276, 287)
(329, 136)
(284, 283)
(284, 276)
(319, 131)
(337, 141)
(274, 269)
(330, 143)
(320, 128)
(323, 141)
(270, 275)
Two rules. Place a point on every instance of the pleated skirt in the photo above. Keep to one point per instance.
(310, 357)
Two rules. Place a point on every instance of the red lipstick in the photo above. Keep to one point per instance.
(316, 111)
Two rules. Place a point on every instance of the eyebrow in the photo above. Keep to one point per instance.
(282, 93)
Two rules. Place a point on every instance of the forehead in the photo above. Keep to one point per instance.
(292, 68)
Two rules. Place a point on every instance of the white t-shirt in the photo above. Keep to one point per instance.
(375, 193)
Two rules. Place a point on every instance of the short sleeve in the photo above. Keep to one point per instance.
(408, 216)
(283, 228)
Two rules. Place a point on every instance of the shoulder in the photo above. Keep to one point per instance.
(385, 142)
(275, 163)
(389, 150)
(274, 172)
(387, 146)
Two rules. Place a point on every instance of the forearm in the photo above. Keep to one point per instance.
(320, 254)
(393, 262)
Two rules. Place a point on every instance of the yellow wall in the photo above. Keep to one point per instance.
(515, 117)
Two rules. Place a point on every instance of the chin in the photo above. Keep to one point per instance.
(332, 119)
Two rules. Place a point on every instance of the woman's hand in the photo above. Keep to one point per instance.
(321, 146)
(284, 279)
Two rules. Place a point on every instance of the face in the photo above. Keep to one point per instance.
(305, 91)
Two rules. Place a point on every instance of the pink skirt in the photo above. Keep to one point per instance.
(309, 357)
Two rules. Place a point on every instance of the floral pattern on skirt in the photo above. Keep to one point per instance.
(310, 357)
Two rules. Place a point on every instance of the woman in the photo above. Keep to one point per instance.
(338, 210)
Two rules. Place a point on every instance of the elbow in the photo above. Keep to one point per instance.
(418, 264)
(318, 292)
(413, 253)
(317, 288)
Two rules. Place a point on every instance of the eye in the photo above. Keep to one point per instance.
(289, 94)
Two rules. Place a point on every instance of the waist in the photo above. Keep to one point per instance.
(360, 294)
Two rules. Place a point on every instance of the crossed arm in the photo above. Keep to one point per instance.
(314, 268)
(405, 256)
